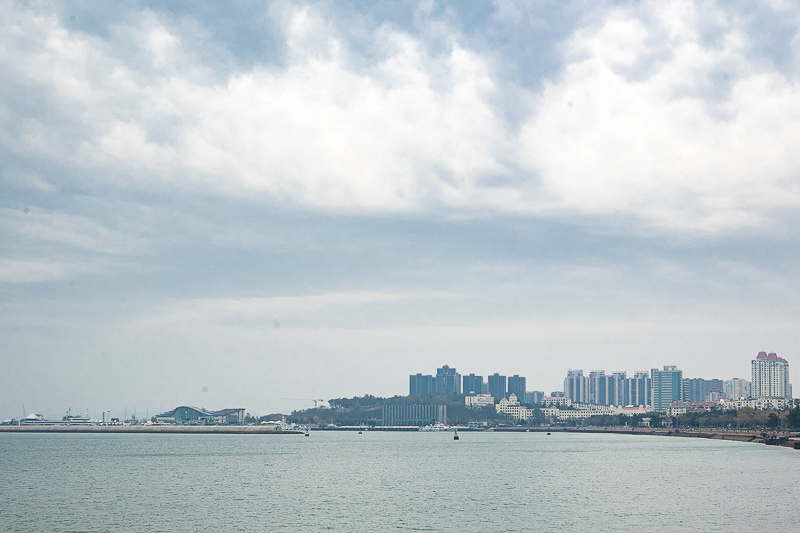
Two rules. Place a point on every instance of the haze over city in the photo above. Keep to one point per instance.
(236, 205)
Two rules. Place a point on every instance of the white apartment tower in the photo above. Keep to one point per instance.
(770, 376)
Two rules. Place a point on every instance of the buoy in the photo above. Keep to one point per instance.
(455, 434)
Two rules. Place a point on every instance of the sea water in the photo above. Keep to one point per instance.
(394, 481)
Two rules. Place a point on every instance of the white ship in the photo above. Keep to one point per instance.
(435, 427)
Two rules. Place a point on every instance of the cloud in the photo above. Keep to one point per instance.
(648, 117)
(293, 311)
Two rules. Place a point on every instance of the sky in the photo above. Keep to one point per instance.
(256, 204)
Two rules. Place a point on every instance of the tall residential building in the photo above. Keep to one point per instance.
(497, 386)
(419, 384)
(534, 397)
(597, 387)
(736, 388)
(638, 389)
(770, 376)
(447, 379)
(472, 384)
(516, 385)
(702, 390)
(575, 386)
(666, 387)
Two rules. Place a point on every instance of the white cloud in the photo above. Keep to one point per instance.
(646, 121)
(264, 311)
(640, 121)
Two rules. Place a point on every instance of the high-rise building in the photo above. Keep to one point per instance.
(534, 397)
(597, 387)
(575, 386)
(447, 379)
(666, 387)
(497, 386)
(516, 385)
(472, 384)
(419, 384)
(701, 390)
(638, 389)
(736, 388)
(770, 375)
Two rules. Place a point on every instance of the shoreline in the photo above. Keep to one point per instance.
(221, 430)
(781, 438)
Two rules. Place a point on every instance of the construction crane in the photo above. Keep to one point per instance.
(315, 400)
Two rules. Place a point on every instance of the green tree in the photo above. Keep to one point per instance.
(793, 418)
(773, 420)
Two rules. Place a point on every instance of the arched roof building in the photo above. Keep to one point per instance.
(196, 416)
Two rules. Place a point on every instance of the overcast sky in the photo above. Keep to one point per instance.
(232, 204)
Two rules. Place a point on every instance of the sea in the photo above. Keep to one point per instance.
(393, 481)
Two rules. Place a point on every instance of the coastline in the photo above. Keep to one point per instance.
(222, 430)
(781, 438)
(790, 439)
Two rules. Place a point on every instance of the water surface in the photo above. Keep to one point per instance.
(387, 481)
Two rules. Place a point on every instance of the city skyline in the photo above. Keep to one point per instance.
(242, 203)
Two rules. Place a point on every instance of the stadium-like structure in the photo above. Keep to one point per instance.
(195, 416)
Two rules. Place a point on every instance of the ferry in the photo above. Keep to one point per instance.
(435, 427)
(36, 419)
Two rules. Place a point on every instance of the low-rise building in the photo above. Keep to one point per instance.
(681, 408)
(478, 400)
(511, 407)
(765, 402)
(557, 400)
(575, 414)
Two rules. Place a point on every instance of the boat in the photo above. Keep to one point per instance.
(435, 427)
(36, 419)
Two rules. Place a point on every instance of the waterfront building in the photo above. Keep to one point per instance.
(570, 414)
(575, 386)
(478, 400)
(195, 416)
(447, 379)
(517, 385)
(472, 384)
(597, 409)
(419, 384)
(736, 388)
(770, 375)
(765, 402)
(681, 408)
(667, 386)
(497, 386)
(414, 415)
